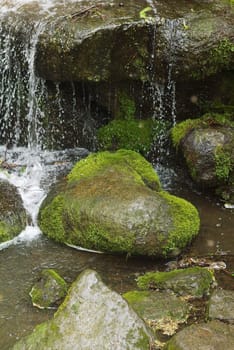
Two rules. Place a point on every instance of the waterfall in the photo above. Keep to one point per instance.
(162, 87)
(23, 98)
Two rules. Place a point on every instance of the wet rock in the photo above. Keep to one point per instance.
(113, 202)
(49, 290)
(221, 305)
(91, 317)
(195, 282)
(207, 146)
(212, 335)
(13, 218)
(84, 44)
(162, 311)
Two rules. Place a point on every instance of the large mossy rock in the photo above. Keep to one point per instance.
(212, 335)
(91, 317)
(13, 217)
(207, 145)
(113, 202)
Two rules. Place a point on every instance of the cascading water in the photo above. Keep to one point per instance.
(30, 168)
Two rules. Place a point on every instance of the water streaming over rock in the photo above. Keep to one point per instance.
(25, 97)
(22, 94)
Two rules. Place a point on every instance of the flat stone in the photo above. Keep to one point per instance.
(214, 335)
(221, 305)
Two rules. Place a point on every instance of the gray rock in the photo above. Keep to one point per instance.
(13, 217)
(195, 281)
(214, 335)
(221, 305)
(200, 148)
(162, 311)
(91, 317)
(48, 290)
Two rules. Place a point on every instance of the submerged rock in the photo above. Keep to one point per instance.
(49, 290)
(221, 305)
(91, 317)
(162, 311)
(194, 281)
(13, 217)
(212, 335)
(113, 202)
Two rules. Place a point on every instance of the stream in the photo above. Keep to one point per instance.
(22, 259)
(32, 169)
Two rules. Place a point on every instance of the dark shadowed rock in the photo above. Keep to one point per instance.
(13, 216)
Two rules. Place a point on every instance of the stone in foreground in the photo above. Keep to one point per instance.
(91, 317)
(162, 311)
(49, 290)
(221, 305)
(214, 335)
(195, 282)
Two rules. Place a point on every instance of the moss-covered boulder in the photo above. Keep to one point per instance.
(207, 145)
(212, 335)
(49, 290)
(194, 281)
(91, 317)
(113, 202)
(13, 217)
(162, 311)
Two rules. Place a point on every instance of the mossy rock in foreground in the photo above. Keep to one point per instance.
(194, 281)
(48, 290)
(91, 317)
(113, 202)
(162, 311)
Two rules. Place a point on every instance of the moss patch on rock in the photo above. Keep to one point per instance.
(194, 281)
(49, 290)
(180, 130)
(95, 163)
(185, 220)
(135, 135)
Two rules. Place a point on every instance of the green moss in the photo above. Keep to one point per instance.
(223, 163)
(186, 223)
(8, 231)
(51, 219)
(95, 164)
(179, 131)
(50, 289)
(182, 129)
(134, 135)
(218, 59)
(194, 280)
(97, 237)
(127, 107)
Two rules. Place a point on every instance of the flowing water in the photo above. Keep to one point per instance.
(32, 169)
